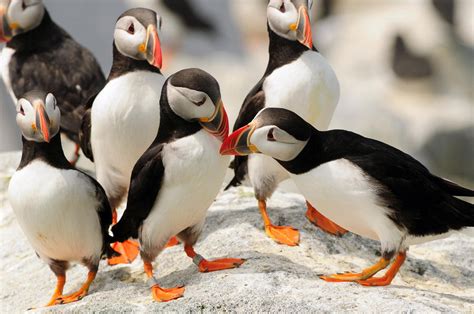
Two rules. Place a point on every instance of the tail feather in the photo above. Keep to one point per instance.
(234, 182)
(454, 189)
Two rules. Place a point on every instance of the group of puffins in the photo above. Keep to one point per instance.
(163, 143)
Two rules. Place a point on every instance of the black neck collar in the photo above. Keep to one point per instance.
(51, 153)
(122, 65)
(282, 51)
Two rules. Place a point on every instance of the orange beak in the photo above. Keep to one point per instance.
(238, 143)
(218, 124)
(153, 47)
(42, 120)
(303, 32)
(5, 31)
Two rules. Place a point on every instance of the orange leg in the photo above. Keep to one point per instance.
(322, 222)
(172, 242)
(281, 234)
(160, 294)
(366, 273)
(128, 249)
(386, 279)
(79, 294)
(215, 265)
(58, 292)
(76, 155)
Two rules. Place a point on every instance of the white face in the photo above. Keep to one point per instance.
(286, 17)
(24, 15)
(39, 121)
(131, 37)
(277, 143)
(190, 104)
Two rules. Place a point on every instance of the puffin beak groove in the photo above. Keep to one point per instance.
(42, 120)
(238, 143)
(153, 47)
(303, 31)
(5, 30)
(218, 123)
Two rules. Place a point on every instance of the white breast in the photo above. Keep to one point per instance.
(5, 58)
(194, 173)
(343, 193)
(56, 210)
(125, 120)
(307, 86)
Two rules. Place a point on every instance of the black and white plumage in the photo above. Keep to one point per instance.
(63, 212)
(364, 185)
(297, 78)
(178, 177)
(122, 120)
(39, 54)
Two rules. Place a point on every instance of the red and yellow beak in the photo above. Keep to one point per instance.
(218, 124)
(238, 143)
(5, 30)
(42, 121)
(153, 47)
(303, 31)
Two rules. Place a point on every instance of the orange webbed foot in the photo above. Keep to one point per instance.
(283, 234)
(320, 221)
(172, 242)
(164, 295)
(128, 252)
(206, 266)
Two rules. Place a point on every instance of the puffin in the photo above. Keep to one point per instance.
(40, 55)
(178, 177)
(365, 186)
(297, 78)
(122, 120)
(63, 212)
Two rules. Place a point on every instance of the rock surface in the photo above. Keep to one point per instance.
(436, 277)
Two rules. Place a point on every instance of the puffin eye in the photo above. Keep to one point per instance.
(22, 111)
(23, 5)
(131, 29)
(201, 102)
(270, 136)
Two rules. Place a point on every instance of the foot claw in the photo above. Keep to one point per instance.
(283, 234)
(165, 295)
(128, 252)
(220, 264)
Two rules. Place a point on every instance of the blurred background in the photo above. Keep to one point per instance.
(406, 68)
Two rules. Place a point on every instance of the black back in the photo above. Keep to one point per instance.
(147, 175)
(281, 52)
(47, 58)
(420, 202)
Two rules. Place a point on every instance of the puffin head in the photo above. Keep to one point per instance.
(276, 132)
(290, 19)
(194, 95)
(136, 35)
(19, 16)
(38, 116)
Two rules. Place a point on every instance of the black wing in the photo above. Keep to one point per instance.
(68, 70)
(420, 201)
(104, 211)
(147, 177)
(85, 131)
(253, 103)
